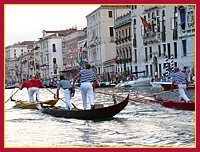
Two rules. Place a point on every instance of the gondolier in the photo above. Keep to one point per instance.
(36, 84)
(180, 79)
(28, 85)
(88, 83)
(66, 86)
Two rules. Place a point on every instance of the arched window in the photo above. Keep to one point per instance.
(54, 47)
(182, 16)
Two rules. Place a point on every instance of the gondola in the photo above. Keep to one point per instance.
(90, 114)
(27, 105)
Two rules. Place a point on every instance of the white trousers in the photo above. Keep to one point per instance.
(31, 92)
(181, 90)
(67, 95)
(87, 91)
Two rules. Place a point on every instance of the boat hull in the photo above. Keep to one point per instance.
(27, 105)
(167, 86)
(100, 113)
(180, 105)
(175, 104)
(141, 82)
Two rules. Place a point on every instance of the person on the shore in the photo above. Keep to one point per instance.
(28, 85)
(36, 85)
(66, 86)
(180, 79)
(88, 83)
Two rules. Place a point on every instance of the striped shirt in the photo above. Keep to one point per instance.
(87, 75)
(179, 77)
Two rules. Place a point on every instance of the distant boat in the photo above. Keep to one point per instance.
(12, 86)
(167, 86)
(139, 82)
(26, 105)
(101, 85)
(169, 103)
(158, 84)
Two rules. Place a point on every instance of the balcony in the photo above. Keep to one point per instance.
(152, 37)
(94, 41)
(150, 8)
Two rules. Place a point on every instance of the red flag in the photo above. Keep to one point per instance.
(80, 49)
(144, 22)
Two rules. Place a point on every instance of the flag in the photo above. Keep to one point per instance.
(81, 49)
(81, 62)
(144, 22)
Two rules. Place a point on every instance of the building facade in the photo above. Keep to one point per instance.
(159, 39)
(100, 38)
(17, 66)
(70, 49)
(123, 41)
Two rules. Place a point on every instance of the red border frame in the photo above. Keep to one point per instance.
(2, 149)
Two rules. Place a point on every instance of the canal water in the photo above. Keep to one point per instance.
(138, 125)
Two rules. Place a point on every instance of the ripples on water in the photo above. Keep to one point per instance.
(137, 125)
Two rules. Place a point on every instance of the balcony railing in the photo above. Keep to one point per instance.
(151, 37)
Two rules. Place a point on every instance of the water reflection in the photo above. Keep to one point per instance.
(137, 125)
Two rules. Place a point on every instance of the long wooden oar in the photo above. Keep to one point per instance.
(139, 99)
(163, 92)
(60, 98)
(12, 95)
(55, 95)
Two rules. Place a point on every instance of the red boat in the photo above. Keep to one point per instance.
(181, 105)
(167, 86)
(175, 104)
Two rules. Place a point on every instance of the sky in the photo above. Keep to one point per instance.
(26, 22)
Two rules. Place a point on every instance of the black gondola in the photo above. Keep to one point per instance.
(90, 114)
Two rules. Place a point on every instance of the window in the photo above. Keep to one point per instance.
(116, 34)
(184, 47)
(111, 31)
(182, 24)
(169, 50)
(175, 17)
(129, 31)
(22, 52)
(164, 48)
(110, 14)
(159, 50)
(135, 53)
(163, 21)
(15, 53)
(175, 49)
(55, 71)
(146, 55)
(54, 60)
(122, 33)
(54, 47)
(150, 52)
(126, 32)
